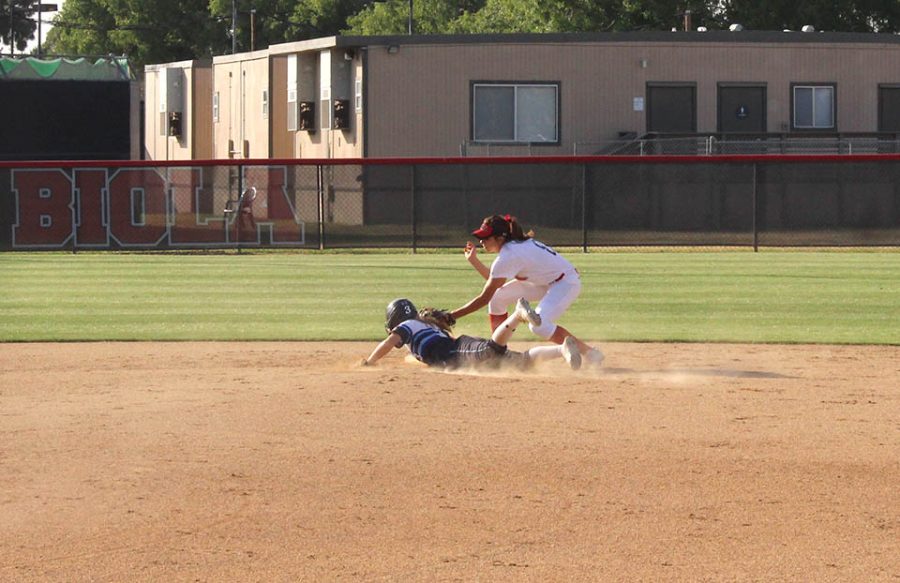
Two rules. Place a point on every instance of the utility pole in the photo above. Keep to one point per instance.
(12, 40)
(233, 26)
(41, 9)
(252, 29)
(410, 23)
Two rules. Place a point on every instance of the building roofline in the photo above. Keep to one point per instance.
(241, 57)
(712, 36)
(325, 42)
(192, 63)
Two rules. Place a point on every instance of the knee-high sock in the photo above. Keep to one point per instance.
(537, 353)
(505, 330)
(559, 335)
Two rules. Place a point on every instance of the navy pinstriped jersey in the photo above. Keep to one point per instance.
(426, 342)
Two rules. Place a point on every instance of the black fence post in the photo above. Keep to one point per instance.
(75, 210)
(240, 191)
(755, 209)
(412, 202)
(320, 204)
(584, 208)
(466, 202)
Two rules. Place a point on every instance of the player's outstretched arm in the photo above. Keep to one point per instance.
(481, 300)
(385, 346)
(471, 253)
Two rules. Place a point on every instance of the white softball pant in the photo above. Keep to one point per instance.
(554, 299)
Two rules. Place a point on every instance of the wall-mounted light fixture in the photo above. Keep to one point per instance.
(643, 63)
(393, 49)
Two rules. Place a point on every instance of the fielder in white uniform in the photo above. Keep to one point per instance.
(525, 268)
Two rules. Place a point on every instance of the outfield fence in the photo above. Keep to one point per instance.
(577, 201)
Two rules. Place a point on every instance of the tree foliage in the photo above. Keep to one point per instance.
(392, 16)
(531, 16)
(145, 31)
(847, 16)
(155, 31)
(24, 22)
(541, 16)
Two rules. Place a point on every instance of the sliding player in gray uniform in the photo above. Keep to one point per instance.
(427, 335)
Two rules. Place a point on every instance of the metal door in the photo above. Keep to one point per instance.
(742, 109)
(889, 108)
(672, 108)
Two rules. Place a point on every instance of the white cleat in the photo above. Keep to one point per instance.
(594, 357)
(526, 313)
(570, 352)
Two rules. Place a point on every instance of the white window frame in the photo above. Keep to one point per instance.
(325, 114)
(293, 117)
(293, 114)
(516, 87)
(815, 88)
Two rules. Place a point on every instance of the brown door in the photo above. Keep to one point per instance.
(742, 109)
(672, 108)
(889, 108)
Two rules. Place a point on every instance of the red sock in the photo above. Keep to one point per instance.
(496, 320)
(559, 335)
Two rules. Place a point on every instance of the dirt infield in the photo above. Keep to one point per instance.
(285, 462)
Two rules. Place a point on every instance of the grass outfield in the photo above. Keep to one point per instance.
(772, 296)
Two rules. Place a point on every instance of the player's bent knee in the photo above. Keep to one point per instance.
(545, 330)
(500, 305)
(502, 299)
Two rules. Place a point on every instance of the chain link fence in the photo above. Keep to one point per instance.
(733, 144)
(582, 202)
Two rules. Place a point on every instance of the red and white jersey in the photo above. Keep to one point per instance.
(530, 260)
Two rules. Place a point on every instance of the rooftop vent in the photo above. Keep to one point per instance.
(808, 28)
(701, 29)
(736, 27)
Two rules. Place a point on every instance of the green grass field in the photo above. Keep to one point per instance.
(720, 296)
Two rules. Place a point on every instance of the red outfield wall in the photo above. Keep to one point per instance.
(581, 201)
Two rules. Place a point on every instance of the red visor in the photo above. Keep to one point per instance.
(485, 231)
(495, 226)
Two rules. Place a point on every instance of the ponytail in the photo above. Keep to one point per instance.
(516, 233)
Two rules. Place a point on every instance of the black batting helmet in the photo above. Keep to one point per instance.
(397, 312)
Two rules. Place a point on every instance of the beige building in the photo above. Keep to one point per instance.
(240, 105)
(178, 111)
(384, 96)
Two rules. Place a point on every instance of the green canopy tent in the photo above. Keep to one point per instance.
(82, 69)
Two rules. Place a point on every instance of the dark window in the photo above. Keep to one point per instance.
(889, 108)
(813, 107)
(515, 112)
